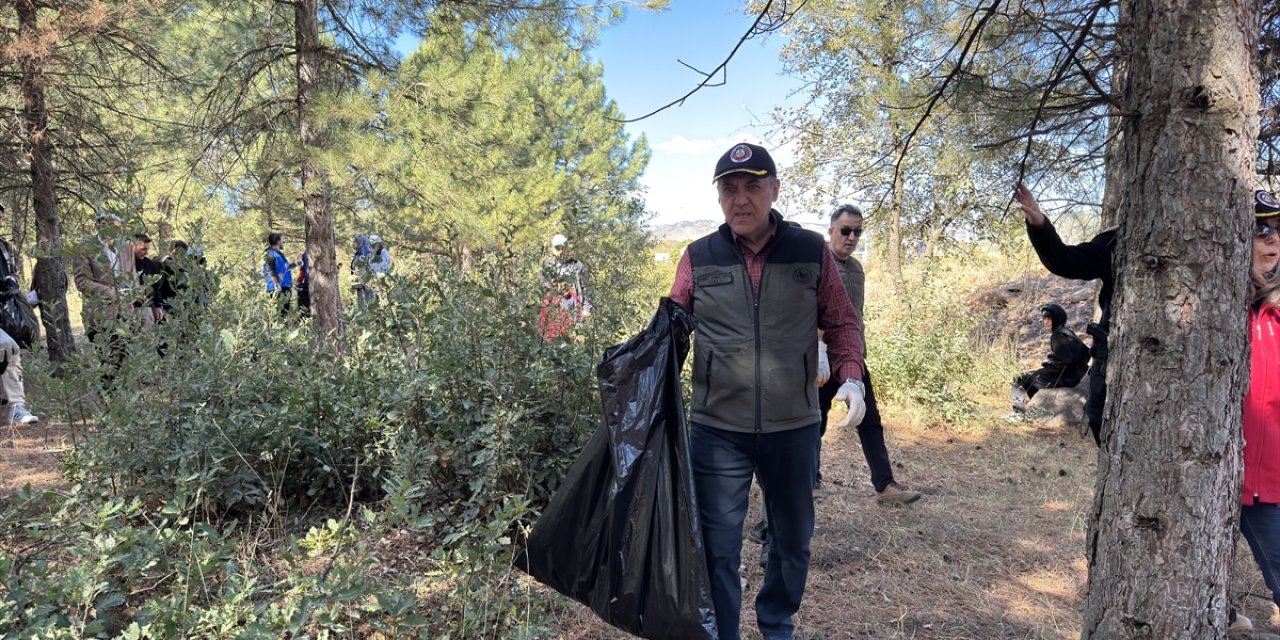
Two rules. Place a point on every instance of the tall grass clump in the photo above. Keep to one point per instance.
(922, 347)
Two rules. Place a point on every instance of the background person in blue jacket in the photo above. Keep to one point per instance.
(278, 272)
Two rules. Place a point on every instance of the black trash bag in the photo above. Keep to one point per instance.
(621, 534)
(18, 319)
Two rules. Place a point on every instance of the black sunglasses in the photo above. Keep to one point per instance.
(1264, 229)
(846, 231)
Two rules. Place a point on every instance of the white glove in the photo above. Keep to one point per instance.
(824, 364)
(850, 393)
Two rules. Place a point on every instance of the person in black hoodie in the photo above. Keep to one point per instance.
(1086, 261)
(1065, 365)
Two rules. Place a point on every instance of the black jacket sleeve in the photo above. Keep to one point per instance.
(1086, 261)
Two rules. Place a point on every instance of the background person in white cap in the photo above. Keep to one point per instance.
(760, 288)
(371, 263)
(565, 280)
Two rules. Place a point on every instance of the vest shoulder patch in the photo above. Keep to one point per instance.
(714, 279)
(803, 276)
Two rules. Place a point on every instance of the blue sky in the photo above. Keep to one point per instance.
(642, 71)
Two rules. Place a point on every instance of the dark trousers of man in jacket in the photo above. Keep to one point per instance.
(870, 432)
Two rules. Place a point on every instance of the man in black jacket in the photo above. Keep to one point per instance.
(1064, 366)
(1087, 261)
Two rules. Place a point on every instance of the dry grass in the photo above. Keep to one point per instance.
(995, 549)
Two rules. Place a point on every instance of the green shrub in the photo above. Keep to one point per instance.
(228, 445)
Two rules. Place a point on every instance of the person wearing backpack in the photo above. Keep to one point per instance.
(15, 396)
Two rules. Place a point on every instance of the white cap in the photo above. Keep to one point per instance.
(558, 240)
(375, 239)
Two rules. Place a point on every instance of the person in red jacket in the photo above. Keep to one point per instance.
(1260, 494)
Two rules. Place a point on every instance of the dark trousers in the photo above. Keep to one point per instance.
(870, 432)
(1260, 524)
(723, 464)
(1096, 401)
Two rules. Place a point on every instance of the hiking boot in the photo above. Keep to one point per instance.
(819, 490)
(1239, 622)
(20, 415)
(764, 555)
(759, 534)
(895, 493)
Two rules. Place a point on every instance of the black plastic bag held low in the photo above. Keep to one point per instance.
(17, 318)
(621, 534)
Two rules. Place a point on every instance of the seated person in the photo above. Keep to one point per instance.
(1065, 366)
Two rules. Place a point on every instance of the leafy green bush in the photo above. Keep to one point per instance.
(446, 419)
(88, 565)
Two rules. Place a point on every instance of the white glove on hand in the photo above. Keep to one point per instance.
(824, 365)
(851, 395)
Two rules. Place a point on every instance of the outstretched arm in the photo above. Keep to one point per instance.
(1086, 261)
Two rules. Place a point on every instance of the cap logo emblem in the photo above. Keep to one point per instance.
(1267, 199)
(740, 153)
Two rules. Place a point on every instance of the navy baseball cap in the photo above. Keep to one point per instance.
(1265, 204)
(745, 158)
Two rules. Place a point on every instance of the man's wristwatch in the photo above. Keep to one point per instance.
(858, 383)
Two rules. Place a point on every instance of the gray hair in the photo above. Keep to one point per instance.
(843, 209)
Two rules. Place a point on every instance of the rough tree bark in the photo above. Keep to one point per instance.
(49, 278)
(1165, 508)
(326, 305)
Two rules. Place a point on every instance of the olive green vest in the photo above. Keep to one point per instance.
(755, 360)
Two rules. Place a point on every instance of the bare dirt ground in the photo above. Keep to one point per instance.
(994, 549)
(32, 455)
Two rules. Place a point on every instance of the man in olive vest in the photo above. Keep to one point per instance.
(760, 288)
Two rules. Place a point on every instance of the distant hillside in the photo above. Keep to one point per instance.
(682, 231)
(686, 231)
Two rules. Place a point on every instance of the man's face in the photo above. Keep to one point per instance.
(746, 200)
(109, 230)
(845, 232)
(141, 248)
(1047, 321)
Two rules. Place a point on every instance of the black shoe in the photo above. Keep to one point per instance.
(764, 555)
(759, 534)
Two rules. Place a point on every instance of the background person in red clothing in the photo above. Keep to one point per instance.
(1260, 493)
(760, 288)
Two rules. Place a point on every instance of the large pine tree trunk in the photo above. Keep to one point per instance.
(49, 278)
(326, 306)
(1164, 513)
